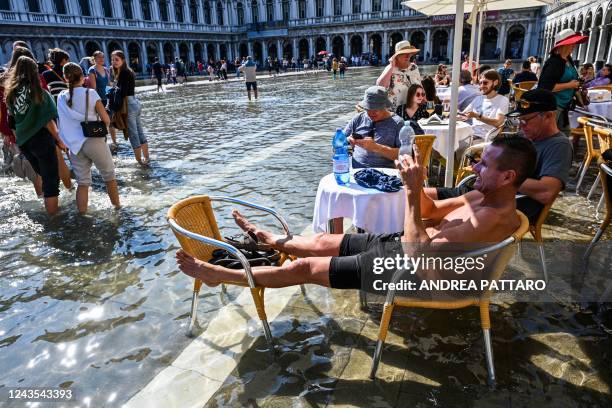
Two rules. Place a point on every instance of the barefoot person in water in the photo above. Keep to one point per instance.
(487, 214)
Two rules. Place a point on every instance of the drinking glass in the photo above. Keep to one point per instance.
(430, 107)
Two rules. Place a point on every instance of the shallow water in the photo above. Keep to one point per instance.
(96, 304)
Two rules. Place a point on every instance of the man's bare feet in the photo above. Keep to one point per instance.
(195, 268)
(263, 237)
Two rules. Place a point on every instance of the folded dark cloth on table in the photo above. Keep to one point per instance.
(372, 178)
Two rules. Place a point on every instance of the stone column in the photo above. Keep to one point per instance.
(186, 12)
(406, 35)
(171, 13)
(366, 6)
(328, 46)
(601, 47)
(347, 46)
(385, 47)
(213, 13)
(366, 43)
(124, 45)
(82, 49)
(155, 15)
(250, 48)
(501, 37)
(310, 8)
(143, 56)
(137, 10)
(201, 12)
(191, 53)
(177, 51)
(428, 44)
(296, 51)
(293, 12)
(590, 50)
(310, 47)
(527, 41)
(160, 52)
(609, 53)
(264, 49)
(218, 50)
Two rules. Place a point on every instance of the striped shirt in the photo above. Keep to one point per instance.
(55, 82)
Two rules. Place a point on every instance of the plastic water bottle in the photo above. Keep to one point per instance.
(341, 158)
(406, 137)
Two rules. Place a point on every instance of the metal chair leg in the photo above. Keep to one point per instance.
(268, 334)
(376, 358)
(589, 249)
(594, 186)
(193, 313)
(489, 356)
(600, 204)
(543, 261)
(585, 168)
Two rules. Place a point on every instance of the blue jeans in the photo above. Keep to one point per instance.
(135, 132)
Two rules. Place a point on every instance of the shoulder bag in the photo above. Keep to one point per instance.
(95, 128)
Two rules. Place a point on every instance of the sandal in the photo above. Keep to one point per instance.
(247, 242)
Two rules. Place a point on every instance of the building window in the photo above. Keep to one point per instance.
(286, 10)
(145, 6)
(320, 8)
(356, 6)
(127, 9)
(107, 9)
(163, 10)
(60, 7)
(255, 11)
(337, 7)
(302, 9)
(207, 18)
(33, 6)
(5, 5)
(178, 11)
(193, 11)
(240, 13)
(376, 4)
(84, 6)
(397, 4)
(219, 13)
(269, 10)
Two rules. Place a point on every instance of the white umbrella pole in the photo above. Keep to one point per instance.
(452, 125)
(472, 36)
(480, 13)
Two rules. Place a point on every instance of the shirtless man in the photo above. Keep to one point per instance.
(487, 214)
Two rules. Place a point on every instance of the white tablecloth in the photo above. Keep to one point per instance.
(372, 210)
(464, 131)
(599, 108)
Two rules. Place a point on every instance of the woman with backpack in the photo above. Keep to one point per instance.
(74, 106)
(126, 82)
(34, 112)
(100, 79)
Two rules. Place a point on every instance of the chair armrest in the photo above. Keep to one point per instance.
(219, 244)
(255, 206)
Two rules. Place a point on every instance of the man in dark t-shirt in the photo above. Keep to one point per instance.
(525, 74)
(158, 72)
(537, 116)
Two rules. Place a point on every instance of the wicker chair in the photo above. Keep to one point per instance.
(194, 224)
(526, 85)
(605, 172)
(504, 251)
(591, 153)
(605, 142)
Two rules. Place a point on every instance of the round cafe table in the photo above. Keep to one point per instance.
(464, 131)
(598, 108)
(374, 211)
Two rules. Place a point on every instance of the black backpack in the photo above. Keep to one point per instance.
(115, 99)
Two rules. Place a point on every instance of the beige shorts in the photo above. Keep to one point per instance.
(96, 151)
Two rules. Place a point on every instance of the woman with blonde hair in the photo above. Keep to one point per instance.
(34, 111)
(126, 82)
(75, 105)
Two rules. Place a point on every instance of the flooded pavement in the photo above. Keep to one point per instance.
(96, 305)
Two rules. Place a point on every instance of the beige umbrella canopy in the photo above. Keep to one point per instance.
(459, 7)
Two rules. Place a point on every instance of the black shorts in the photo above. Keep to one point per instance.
(356, 259)
(250, 85)
(40, 152)
(159, 80)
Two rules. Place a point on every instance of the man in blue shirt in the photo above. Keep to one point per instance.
(374, 132)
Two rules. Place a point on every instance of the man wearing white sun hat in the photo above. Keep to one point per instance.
(400, 74)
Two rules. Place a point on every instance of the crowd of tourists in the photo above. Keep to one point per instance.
(57, 111)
